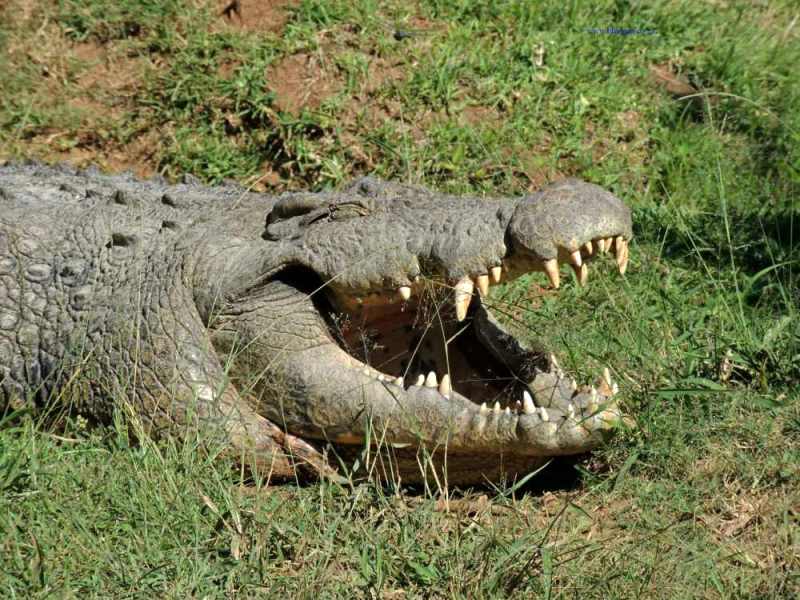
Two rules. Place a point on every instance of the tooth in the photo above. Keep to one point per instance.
(573, 384)
(420, 380)
(463, 297)
(496, 273)
(607, 376)
(366, 371)
(622, 255)
(609, 241)
(483, 284)
(588, 247)
(581, 273)
(484, 408)
(543, 414)
(576, 258)
(508, 410)
(601, 245)
(430, 381)
(527, 403)
(593, 397)
(399, 381)
(551, 268)
(405, 292)
(517, 406)
(614, 389)
(570, 411)
(444, 385)
(554, 366)
(381, 377)
(619, 243)
(497, 407)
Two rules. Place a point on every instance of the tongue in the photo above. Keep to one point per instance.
(521, 358)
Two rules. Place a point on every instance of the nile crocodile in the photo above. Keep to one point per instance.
(299, 327)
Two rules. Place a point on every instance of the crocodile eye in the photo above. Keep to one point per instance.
(359, 207)
(295, 213)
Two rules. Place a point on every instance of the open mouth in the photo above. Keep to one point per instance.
(441, 336)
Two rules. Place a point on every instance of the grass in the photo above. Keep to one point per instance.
(704, 333)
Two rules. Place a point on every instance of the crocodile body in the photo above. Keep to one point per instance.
(285, 326)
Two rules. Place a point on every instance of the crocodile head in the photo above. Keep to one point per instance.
(384, 335)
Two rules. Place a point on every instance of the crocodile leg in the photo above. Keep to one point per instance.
(185, 387)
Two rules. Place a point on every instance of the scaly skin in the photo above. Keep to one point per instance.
(284, 324)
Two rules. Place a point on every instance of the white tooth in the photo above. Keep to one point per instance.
(508, 410)
(381, 377)
(554, 366)
(420, 380)
(464, 289)
(607, 376)
(430, 381)
(570, 411)
(601, 245)
(581, 273)
(517, 406)
(497, 407)
(543, 414)
(483, 284)
(366, 371)
(405, 292)
(573, 384)
(614, 389)
(551, 268)
(527, 403)
(609, 242)
(588, 247)
(576, 259)
(594, 395)
(484, 408)
(619, 242)
(399, 381)
(622, 255)
(444, 385)
(496, 273)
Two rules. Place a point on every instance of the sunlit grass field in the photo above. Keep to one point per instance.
(691, 115)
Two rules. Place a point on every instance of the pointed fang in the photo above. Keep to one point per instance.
(464, 289)
(444, 385)
(581, 274)
(430, 381)
(496, 273)
(543, 413)
(576, 259)
(483, 284)
(420, 380)
(484, 408)
(399, 381)
(601, 245)
(588, 248)
(497, 407)
(527, 403)
(551, 268)
(405, 292)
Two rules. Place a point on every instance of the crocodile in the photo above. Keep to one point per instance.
(301, 330)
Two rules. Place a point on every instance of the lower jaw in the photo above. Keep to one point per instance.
(441, 468)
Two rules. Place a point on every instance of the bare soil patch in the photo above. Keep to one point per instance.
(301, 81)
(256, 15)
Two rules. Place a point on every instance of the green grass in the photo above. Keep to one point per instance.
(701, 500)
